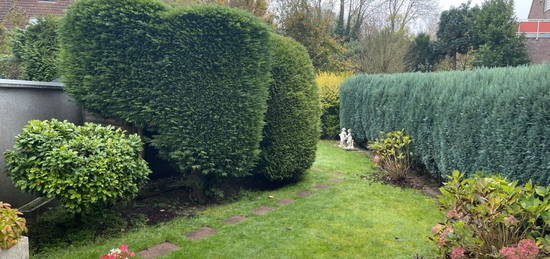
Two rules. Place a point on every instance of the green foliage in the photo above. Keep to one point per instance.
(12, 226)
(494, 120)
(198, 77)
(486, 214)
(329, 88)
(453, 32)
(494, 28)
(81, 166)
(36, 48)
(292, 120)
(9, 67)
(422, 54)
(392, 153)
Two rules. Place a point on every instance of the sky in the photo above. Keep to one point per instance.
(522, 6)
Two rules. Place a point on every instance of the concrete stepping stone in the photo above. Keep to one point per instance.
(321, 186)
(261, 210)
(304, 193)
(284, 201)
(335, 180)
(201, 233)
(159, 250)
(234, 220)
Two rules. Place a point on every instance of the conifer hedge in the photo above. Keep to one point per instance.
(197, 76)
(292, 120)
(494, 120)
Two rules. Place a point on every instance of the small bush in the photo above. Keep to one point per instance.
(292, 120)
(81, 166)
(12, 227)
(392, 154)
(10, 68)
(329, 96)
(490, 217)
(36, 48)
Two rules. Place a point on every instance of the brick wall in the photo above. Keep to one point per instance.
(35, 8)
(539, 50)
(537, 10)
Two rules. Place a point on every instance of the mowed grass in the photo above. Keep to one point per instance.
(352, 219)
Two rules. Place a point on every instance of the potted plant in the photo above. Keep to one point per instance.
(13, 244)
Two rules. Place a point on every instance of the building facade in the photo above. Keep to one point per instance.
(32, 9)
(537, 31)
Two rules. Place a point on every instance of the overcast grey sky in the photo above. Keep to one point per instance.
(522, 6)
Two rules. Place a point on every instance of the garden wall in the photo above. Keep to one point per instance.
(21, 101)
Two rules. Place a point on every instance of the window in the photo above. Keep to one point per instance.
(547, 5)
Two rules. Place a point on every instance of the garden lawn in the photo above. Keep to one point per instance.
(352, 219)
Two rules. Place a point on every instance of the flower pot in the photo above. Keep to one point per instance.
(18, 251)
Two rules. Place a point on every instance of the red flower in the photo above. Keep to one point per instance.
(525, 249)
(452, 214)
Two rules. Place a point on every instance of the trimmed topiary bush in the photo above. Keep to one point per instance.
(492, 120)
(292, 120)
(80, 166)
(36, 48)
(198, 77)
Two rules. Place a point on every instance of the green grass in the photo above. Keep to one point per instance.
(352, 219)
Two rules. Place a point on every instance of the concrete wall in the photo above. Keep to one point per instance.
(21, 101)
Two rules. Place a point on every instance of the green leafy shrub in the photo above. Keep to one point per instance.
(10, 68)
(198, 77)
(492, 120)
(36, 48)
(329, 87)
(490, 217)
(292, 120)
(12, 226)
(81, 166)
(392, 153)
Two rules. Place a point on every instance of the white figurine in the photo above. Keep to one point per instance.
(349, 140)
(343, 137)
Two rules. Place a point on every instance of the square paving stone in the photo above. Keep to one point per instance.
(261, 210)
(335, 180)
(321, 186)
(304, 193)
(284, 201)
(159, 250)
(234, 220)
(201, 233)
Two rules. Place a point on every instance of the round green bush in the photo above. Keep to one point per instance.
(80, 166)
(292, 120)
(36, 48)
(198, 77)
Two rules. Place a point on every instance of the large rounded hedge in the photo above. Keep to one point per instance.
(292, 120)
(81, 166)
(198, 77)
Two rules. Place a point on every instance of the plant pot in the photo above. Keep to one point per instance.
(18, 251)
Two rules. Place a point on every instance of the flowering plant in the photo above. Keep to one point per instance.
(119, 253)
(12, 226)
(490, 217)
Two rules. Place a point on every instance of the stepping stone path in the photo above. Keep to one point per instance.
(201, 233)
(159, 250)
(335, 180)
(261, 210)
(284, 201)
(321, 186)
(304, 193)
(234, 220)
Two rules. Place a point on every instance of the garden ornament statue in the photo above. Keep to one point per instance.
(343, 136)
(349, 141)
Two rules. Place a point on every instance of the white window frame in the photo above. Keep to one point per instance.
(547, 5)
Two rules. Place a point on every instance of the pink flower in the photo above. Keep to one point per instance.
(525, 249)
(447, 231)
(510, 220)
(124, 248)
(441, 241)
(452, 214)
(457, 253)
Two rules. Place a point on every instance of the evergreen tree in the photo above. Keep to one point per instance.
(422, 54)
(453, 33)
